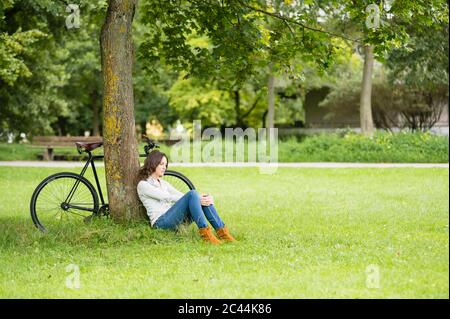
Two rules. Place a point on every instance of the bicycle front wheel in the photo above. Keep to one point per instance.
(61, 199)
(179, 181)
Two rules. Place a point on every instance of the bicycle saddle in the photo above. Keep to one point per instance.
(87, 147)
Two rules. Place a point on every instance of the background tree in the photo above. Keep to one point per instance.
(380, 27)
(411, 89)
(419, 71)
(50, 75)
(83, 90)
(30, 69)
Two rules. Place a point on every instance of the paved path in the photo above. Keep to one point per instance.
(299, 165)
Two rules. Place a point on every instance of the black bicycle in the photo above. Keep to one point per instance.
(71, 198)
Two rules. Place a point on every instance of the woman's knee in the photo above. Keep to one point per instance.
(193, 193)
(194, 196)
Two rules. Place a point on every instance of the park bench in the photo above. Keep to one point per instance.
(49, 143)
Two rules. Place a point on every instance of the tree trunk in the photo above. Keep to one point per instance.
(237, 108)
(120, 144)
(365, 111)
(271, 101)
(264, 116)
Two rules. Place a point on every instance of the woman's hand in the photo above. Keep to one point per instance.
(206, 200)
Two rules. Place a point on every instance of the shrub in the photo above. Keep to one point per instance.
(383, 146)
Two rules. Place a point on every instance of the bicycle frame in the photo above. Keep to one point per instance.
(97, 182)
(90, 161)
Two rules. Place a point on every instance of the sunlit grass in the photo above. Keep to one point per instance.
(303, 233)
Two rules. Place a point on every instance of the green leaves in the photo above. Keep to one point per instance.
(396, 19)
(230, 38)
(193, 99)
(12, 50)
(49, 75)
(242, 37)
(423, 59)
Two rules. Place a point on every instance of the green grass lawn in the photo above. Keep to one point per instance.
(303, 233)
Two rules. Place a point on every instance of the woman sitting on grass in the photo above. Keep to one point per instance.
(168, 208)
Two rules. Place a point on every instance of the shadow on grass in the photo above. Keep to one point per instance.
(16, 233)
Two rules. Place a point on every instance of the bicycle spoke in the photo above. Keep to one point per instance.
(177, 183)
(50, 204)
(73, 213)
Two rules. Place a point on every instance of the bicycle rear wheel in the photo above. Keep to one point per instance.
(61, 199)
(179, 181)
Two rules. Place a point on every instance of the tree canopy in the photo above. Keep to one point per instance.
(208, 59)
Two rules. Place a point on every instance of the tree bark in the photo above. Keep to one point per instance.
(365, 112)
(264, 116)
(237, 108)
(270, 101)
(120, 144)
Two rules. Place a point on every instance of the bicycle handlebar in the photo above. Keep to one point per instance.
(150, 145)
(147, 148)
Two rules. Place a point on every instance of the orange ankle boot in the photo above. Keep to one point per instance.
(225, 235)
(208, 236)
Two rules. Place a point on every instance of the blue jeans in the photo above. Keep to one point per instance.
(188, 209)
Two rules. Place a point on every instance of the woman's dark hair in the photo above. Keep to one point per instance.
(151, 163)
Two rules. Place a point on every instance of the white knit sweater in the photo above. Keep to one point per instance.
(157, 196)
